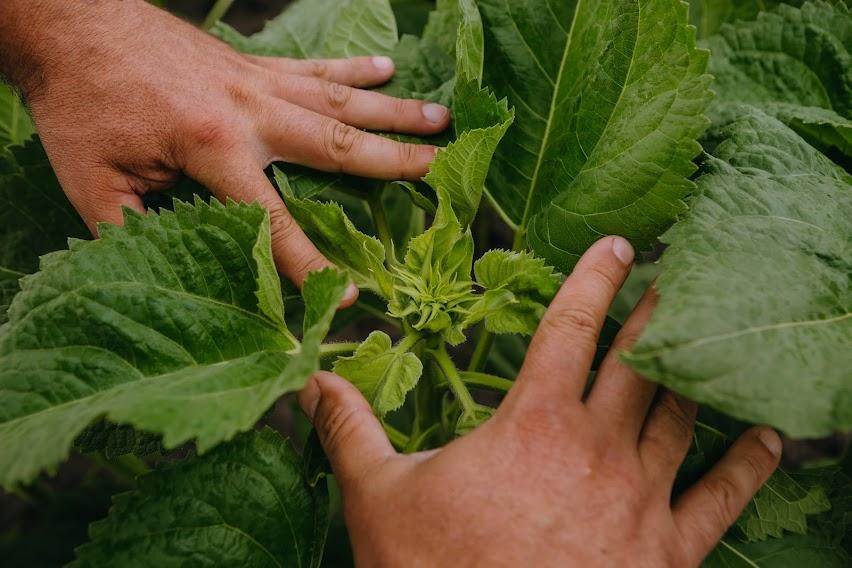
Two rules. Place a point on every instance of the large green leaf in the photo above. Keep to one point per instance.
(35, 216)
(796, 519)
(321, 28)
(609, 96)
(16, 126)
(246, 503)
(382, 372)
(795, 64)
(708, 16)
(173, 324)
(755, 317)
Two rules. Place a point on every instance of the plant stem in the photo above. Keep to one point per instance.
(484, 380)
(397, 438)
(481, 351)
(448, 368)
(127, 467)
(380, 220)
(415, 443)
(216, 13)
(334, 349)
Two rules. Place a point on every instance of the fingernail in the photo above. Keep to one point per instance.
(351, 294)
(309, 398)
(383, 64)
(622, 250)
(434, 112)
(771, 440)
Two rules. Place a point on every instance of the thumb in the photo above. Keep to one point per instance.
(352, 437)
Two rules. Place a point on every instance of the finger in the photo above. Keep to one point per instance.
(99, 195)
(351, 436)
(364, 109)
(239, 176)
(294, 134)
(356, 72)
(561, 353)
(619, 393)
(706, 511)
(667, 436)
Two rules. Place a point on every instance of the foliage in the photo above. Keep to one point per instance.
(572, 120)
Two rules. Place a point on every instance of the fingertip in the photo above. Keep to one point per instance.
(309, 398)
(384, 65)
(350, 296)
(771, 441)
(623, 250)
(435, 114)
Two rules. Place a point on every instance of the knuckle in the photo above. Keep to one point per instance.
(337, 96)
(407, 154)
(577, 320)
(209, 133)
(756, 467)
(723, 493)
(678, 415)
(307, 263)
(283, 224)
(341, 422)
(319, 69)
(339, 141)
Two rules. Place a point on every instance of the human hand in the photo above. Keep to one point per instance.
(127, 98)
(552, 479)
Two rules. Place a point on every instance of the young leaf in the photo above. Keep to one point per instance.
(247, 502)
(382, 372)
(518, 288)
(363, 27)
(460, 169)
(433, 290)
(757, 276)
(16, 127)
(609, 98)
(795, 65)
(328, 227)
(170, 324)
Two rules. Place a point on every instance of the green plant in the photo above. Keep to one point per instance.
(573, 122)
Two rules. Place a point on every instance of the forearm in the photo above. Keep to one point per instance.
(41, 38)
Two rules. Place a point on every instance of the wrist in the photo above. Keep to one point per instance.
(41, 40)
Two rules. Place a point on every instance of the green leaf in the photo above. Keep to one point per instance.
(796, 519)
(708, 16)
(433, 291)
(609, 98)
(247, 502)
(795, 65)
(300, 31)
(115, 440)
(16, 126)
(382, 372)
(328, 227)
(754, 317)
(169, 324)
(518, 288)
(470, 43)
(363, 27)
(460, 169)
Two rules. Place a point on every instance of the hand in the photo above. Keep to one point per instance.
(126, 98)
(552, 478)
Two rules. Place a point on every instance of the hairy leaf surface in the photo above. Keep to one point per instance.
(382, 372)
(609, 98)
(518, 288)
(173, 324)
(708, 16)
(795, 64)
(756, 297)
(248, 502)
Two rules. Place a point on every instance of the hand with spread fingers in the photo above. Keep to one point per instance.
(572, 479)
(127, 98)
